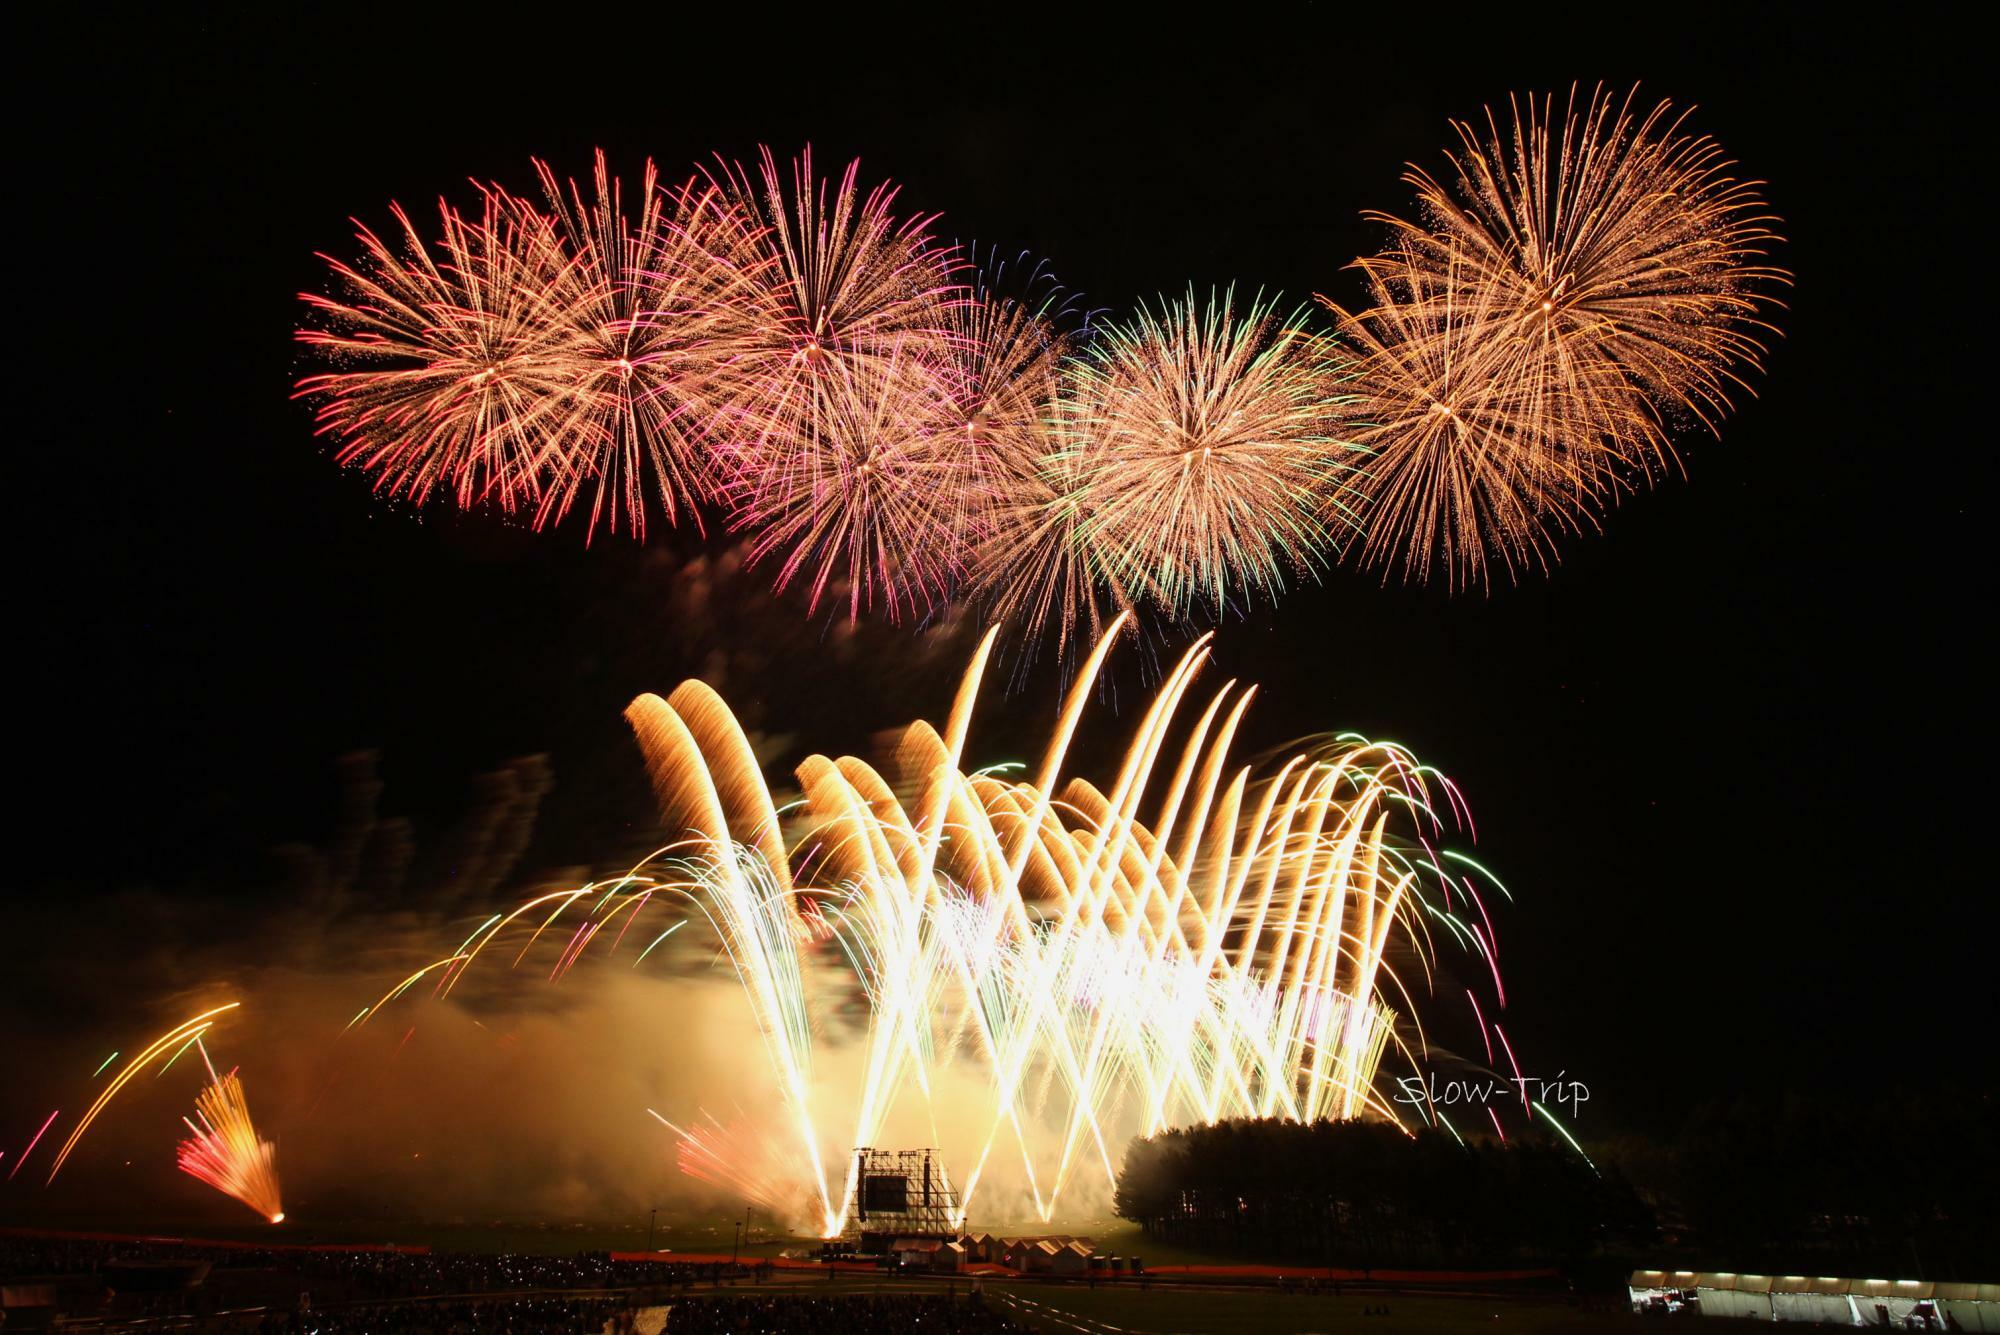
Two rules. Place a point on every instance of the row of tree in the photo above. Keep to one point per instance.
(1366, 1194)
(1858, 1185)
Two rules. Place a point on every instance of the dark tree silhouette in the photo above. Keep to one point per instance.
(1364, 1194)
(1898, 1185)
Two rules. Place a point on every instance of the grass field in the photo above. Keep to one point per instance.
(558, 1237)
(1059, 1311)
(534, 1237)
(1070, 1310)
(1054, 1309)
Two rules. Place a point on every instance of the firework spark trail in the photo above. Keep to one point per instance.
(225, 1151)
(168, 1065)
(754, 1167)
(33, 1141)
(1230, 949)
(179, 1034)
(404, 986)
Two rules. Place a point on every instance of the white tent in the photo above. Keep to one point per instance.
(1072, 1258)
(1830, 1301)
(1887, 1302)
(1804, 1298)
(1735, 1295)
(1973, 1306)
(1661, 1288)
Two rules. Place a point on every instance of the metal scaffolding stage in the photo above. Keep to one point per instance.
(901, 1194)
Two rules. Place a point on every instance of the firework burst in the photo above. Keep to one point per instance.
(1210, 444)
(1030, 561)
(1459, 475)
(458, 358)
(1006, 347)
(653, 312)
(1621, 263)
(845, 284)
(892, 433)
(1569, 291)
(871, 500)
(224, 1150)
(1041, 568)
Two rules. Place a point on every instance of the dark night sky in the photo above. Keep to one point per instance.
(1725, 757)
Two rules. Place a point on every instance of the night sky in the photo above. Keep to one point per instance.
(1725, 756)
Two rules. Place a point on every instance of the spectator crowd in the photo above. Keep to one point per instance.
(918, 1314)
(162, 1285)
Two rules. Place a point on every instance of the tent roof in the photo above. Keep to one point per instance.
(1915, 1290)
